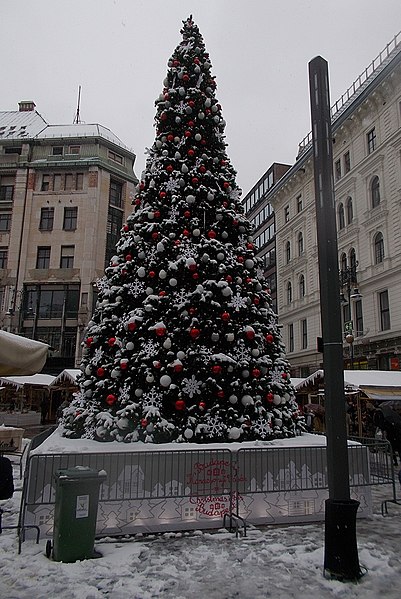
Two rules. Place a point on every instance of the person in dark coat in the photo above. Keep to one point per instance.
(44, 410)
(389, 421)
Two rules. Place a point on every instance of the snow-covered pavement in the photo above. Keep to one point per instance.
(280, 562)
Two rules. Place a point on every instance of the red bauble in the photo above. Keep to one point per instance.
(192, 311)
(162, 293)
(229, 279)
(250, 335)
(195, 275)
(163, 116)
(169, 168)
(211, 234)
(170, 137)
(142, 186)
(123, 365)
(137, 201)
(240, 259)
(126, 227)
(123, 273)
(111, 399)
(89, 341)
(269, 338)
(100, 371)
(111, 341)
(176, 63)
(192, 267)
(191, 152)
(178, 368)
(225, 316)
(235, 222)
(269, 397)
(185, 232)
(284, 375)
(157, 364)
(180, 404)
(216, 369)
(185, 77)
(220, 394)
(187, 133)
(162, 194)
(187, 214)
(202, 405)
(144, 423)
(152, 274)
(256, 373)
(202, 169)
(194, 333)
(226, 185)
(155, 235)
(256, 301)
(131, 326)
(160, 331)
(157, 213)
(195, 180)
(191, 123)
(191, 103)
(128, 257)
(249, 246)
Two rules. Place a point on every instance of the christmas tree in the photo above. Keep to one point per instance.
(184, 345)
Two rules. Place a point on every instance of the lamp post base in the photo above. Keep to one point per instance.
(341, 553)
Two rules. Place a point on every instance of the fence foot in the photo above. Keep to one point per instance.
(235, 524)
(384, 505)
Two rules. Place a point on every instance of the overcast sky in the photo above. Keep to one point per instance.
(117, 50)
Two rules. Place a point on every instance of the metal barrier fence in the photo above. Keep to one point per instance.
(198, 488)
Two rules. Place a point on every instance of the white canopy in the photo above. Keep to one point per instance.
(376, 384)
(69, 375)
(41, 380)
(21, 356)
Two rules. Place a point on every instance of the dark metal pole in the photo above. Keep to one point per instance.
(341, 557)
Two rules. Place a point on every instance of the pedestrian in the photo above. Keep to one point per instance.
(62, 407)
(44, 409)
(309, 417)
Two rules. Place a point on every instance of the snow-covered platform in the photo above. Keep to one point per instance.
(152, 488)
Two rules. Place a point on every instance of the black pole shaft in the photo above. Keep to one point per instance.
(341, 555)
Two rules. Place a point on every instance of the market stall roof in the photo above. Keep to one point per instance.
(21, 356)
(40, 380)
(67, 375)
(376, 384)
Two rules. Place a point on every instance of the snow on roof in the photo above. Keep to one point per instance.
(66, 375)
(16, 125)
(81, 130)
(43, 380)
(358, 378)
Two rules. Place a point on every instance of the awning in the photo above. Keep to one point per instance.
(21, 356)
(382, 394)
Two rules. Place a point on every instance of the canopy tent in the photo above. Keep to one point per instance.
(375, 384)
(66, 376)
(39, 380)
(21, 356)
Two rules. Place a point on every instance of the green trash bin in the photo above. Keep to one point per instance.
(77, 498)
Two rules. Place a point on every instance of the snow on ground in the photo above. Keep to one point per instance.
(283, 562)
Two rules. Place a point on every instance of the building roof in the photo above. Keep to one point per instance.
(69, 375)
(23, 125)
(40, 380)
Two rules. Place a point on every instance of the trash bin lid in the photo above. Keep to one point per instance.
(79, 472)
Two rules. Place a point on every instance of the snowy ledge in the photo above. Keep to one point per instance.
(56, 443)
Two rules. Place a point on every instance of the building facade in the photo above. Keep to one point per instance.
(65, 192)
(366, 127)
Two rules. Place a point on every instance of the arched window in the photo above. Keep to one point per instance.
(343, 261)
(289, 292)
(288, 251)
(352, 259)
(379, 248)
(375, 191)
(300, 243)
(341, 216)
(350, 211)
(301, 286)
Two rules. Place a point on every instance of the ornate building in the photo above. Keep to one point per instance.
(65, 192)
(366, 125)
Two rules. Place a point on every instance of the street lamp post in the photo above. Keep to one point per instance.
(349, 293)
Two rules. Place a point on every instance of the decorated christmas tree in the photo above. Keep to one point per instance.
(184, 345)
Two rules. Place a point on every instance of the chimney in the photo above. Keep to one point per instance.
(27, 106)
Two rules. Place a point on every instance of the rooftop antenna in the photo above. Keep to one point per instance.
(77, 118)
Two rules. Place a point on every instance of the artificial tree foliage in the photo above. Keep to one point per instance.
(184, 345)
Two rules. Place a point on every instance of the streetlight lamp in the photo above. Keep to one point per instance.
(349, 291)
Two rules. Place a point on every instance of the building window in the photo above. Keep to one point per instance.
(343, 261)
(116, 194)
(375, 191)
(46, 219)
(286, 214)
(384, 308)
(379, 248)
(51, 301)
(113, 231)
(350, 211)
(341, 216)
(289, 292)
(116, 157)
(301, 286)
(5, 221)
(80, 181)
(299, 204)
(43, 257)
(288, 252)
(300, 243)
(371, 140)
(69, 182)
(45, 183)
(70, 218)
(337, 169)
(57, 183)
(57, 150)
(67, 256)
(358, 318)
(3, 257)
(304, 333)
(352, 259)
(74, 149)
(290, 337)
(347, 162)
(6, 193)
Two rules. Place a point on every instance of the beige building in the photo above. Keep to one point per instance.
(366, 125)
(65, 192)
